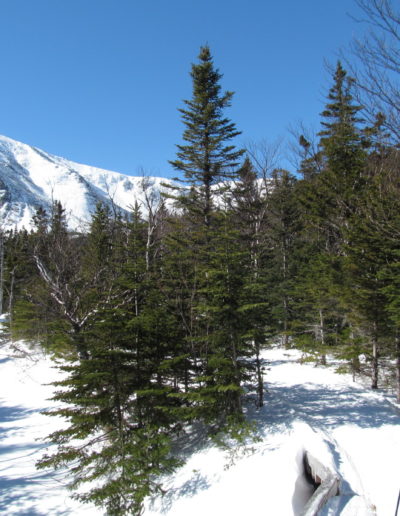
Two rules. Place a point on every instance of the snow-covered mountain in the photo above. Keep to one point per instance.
(30, 177)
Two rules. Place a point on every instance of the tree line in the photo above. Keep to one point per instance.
(161, 319)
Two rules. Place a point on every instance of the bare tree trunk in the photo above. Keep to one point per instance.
(11, 297)
(237, 401)
(355, 360)
(284, 300)
(260, 379)
(375, 365)
(322, 336)
(285, 336)
(398, 368)
(79, 343)
(1, 272)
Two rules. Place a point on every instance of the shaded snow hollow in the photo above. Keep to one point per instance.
(353, 431)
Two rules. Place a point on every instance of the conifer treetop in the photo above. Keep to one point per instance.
(208, 155)
(340, 113)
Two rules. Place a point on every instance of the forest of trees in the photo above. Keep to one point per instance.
(160, 320)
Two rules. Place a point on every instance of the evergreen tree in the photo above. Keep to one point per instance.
(330, 205)
(250, 211)
(225, 366)
(21, 287)
(207, 160)
(319, 322)
(344, 145)
(283, 227)
(329, 195)
(118, 396)
(374, 258)
(115, 444)
(365, 300)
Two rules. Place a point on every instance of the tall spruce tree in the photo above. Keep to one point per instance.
(330, 205)
(250, 208)
(372, 263)
(207, 160)
(343, 144)
(364, 296)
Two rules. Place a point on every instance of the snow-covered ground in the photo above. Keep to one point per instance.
(352, 430)
(24, 393)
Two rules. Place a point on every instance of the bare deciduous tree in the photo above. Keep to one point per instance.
(304, 153)
(378, 56)
(265, 157)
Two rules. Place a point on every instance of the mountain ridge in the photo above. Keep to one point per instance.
(31, 178)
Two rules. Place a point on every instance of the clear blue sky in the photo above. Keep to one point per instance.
(100, 81)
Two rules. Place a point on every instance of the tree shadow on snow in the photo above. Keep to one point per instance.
(21, 492)
(325, 407)
(8, 414)
(13, 414)
(191, 440)
(24, 496)
(19, 449)
(196, 483)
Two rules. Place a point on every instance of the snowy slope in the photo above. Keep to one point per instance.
(352, 430)
(30, 177)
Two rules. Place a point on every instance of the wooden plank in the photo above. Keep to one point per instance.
(329, 485)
